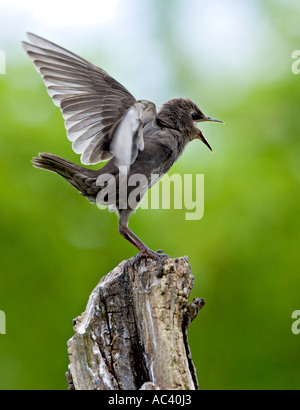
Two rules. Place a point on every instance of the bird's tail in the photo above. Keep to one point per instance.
(83, 179)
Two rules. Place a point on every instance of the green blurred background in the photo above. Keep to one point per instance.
(234, 59)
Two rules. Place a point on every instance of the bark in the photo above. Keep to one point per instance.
(133, 334)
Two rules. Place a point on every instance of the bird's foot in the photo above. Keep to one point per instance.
(156, 256)
(161, 251)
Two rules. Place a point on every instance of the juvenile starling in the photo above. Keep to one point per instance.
(105, 122)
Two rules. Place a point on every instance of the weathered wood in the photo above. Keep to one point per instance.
(133, 334)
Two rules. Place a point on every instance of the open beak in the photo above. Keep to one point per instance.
(211, 120)
(200, 135)
(203, 139)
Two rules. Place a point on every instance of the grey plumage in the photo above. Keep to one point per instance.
(105, 122)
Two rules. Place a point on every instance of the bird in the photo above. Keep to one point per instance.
(106, 123)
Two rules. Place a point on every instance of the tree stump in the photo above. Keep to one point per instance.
(133, 334)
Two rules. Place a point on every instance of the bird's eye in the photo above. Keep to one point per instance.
(194, 116)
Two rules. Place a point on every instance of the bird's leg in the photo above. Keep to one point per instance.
(125, 235)
(135, 241)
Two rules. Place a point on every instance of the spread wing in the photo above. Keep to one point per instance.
(101, 117)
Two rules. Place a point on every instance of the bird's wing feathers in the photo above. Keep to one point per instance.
(128, 137)
(101, 117)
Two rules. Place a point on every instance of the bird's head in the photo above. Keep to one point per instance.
(183, 115)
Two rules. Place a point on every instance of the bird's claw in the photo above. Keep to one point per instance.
(156, 256)
(161, 251)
